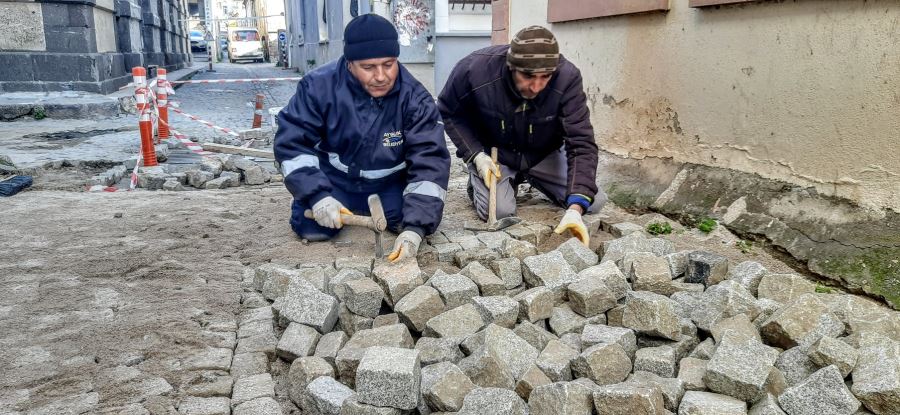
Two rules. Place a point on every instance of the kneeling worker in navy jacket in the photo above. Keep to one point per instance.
(364, 125)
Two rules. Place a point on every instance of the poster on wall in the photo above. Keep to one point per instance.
(414, 20)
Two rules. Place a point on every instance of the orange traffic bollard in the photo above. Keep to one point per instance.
(162, 102)
(258, 112)
(148, 152)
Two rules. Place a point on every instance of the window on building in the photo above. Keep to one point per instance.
(323, 20)
(469, 4)
(568, 10)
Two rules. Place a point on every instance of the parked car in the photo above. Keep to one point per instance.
(244, 43)
(198, 41)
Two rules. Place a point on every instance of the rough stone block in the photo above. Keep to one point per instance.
(677, 263)
(260, 406)
(352, 406)
(660, 360)
(739, 325)
(706, 268)
(876, 377)
(361, 296)
(512, 248)
(672, 389)
(535, 304)
(246, 364)
(603, 363)
(616, 249)
(330, 344)
(351, 323)
(749, 274)
(433, 350)
(444, 386)
(830, 351)
(550, 270)
(459, 322)
(493, 240)
(824, 392)
(740, 367)
(297, 341)
(500, 310)
(621, 229)
(724, 300)
(610, 275)
(302, 372)
(590, 297)
(389, 376)
(577, 255)
(802, 322)
(264, 343)
(652, 274)
(359, 264)
(305, 304)
(325, 396)
(628, 399)
(556, 361)
(252, 387)
(337, 285)
(533, 378)
(561, 398)
(455, 289)
(766, 406)
(535, 335)
(509, 270)
(563, 320)
(784, 288)
(796, 365)
(488, 283)
(197, 178)
(388, 336)
(446, 252)
(507, 355)
(572, 340)
(594, 334)
(651, 314)
(385, 320)
(419, 306)
(482, 255)
(691, 371)
(706, 403)
(205, 406)
(494, 401)
(397, 280)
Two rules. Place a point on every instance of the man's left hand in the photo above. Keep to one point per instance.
(406, 246)
(572, 222)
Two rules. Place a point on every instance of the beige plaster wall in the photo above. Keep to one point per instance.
(21, 27)
(806, 91)
(105, 24)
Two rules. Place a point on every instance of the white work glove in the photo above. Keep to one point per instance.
(406, 246)
(572, 222)
(328, 213)
(486, 167)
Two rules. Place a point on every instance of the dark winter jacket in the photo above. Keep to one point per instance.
(333, 133)
(482, 109)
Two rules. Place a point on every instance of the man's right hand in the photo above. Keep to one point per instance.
(328, 213)
(486, 167)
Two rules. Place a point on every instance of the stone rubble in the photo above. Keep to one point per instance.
(634, 327)
(219, 171)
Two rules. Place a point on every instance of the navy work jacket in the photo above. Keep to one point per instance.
(333, 133)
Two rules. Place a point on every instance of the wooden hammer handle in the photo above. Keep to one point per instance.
(352, 220)
(492, 190)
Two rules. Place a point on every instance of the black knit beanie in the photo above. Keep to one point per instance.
(370, 36)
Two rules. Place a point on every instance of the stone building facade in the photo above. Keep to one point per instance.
(88, 45)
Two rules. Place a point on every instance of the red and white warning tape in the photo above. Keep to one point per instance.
(195, 148)
(223, 81)
(204, 122)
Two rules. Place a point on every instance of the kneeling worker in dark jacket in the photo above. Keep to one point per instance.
(364, 125)
(528, 102)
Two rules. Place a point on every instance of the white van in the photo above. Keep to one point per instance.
(244, 43)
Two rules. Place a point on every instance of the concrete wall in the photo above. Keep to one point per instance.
(804, 91)
(87, 45)
(453, 46)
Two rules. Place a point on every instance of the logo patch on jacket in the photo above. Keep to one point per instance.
(392, 139)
